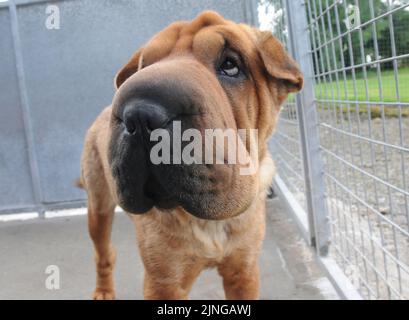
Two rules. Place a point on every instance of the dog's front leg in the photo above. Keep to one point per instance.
(157, 290)
(241, 278)
(100, 225)
(170, 279)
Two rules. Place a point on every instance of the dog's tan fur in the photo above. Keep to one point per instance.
(176, 246)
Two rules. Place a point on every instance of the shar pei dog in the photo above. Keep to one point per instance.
(208, 73)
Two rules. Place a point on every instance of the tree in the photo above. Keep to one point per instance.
(327, 27)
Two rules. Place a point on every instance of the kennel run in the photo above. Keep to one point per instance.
(342, 144)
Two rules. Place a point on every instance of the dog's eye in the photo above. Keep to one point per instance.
(229, 68)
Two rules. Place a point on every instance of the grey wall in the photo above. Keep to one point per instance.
(53, 83)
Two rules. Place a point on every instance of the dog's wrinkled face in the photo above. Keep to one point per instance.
(207, 74)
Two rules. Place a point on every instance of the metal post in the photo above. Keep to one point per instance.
(308, 122)
(28, 130)
(250, 11)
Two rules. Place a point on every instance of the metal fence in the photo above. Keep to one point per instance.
(342, 145)
(54, 82)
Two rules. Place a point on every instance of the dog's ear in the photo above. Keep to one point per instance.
(154, 50)
(133, 65)
(278, 63)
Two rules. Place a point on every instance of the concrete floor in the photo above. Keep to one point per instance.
(28, 247)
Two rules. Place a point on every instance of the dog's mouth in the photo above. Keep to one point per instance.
(160, 197)
(141, 198)
(176, 187)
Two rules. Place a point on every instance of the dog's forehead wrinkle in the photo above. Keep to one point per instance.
(188, 32)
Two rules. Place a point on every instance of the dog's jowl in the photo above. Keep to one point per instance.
(206, 74)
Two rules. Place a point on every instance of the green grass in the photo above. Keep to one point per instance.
(333, 91)
(344, 90)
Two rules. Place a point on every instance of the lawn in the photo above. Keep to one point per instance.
(333, 91)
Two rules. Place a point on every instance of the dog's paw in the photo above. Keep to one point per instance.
(100, 294)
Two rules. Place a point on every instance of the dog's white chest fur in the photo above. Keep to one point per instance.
(211, 240)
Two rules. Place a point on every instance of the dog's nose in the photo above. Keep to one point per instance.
(144, 116)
